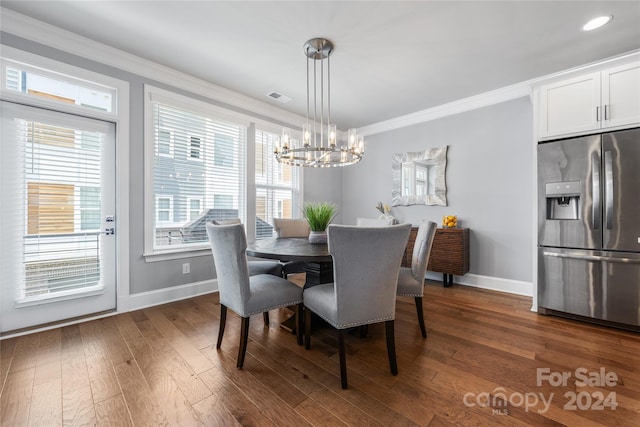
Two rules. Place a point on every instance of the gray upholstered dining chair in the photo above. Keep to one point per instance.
(256, 266)
(411, 279)
(374, 222)
(291, 227)
(366, 262)
(247, 295)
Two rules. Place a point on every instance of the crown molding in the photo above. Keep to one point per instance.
(460, 106)
(58, 38)
(493, 97)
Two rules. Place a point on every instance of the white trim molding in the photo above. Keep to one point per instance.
(171, 294)
(488, 282)
(475, 102)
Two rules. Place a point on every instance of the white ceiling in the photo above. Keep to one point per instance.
(391, 58)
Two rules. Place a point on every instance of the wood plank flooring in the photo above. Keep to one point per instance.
(481, 364)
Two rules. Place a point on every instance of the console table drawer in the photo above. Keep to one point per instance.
(449, 254)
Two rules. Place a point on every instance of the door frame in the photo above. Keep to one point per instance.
(121, 118)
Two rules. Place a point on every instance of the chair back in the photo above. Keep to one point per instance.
(366, 262)
(228, 245)
(226, 221)
(422, 249)
(374, 222)
(288, 227)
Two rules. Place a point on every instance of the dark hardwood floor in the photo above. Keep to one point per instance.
(487, 360)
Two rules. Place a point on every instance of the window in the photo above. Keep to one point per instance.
(195, 145)
(189, 193)
(57, 87)
(165, 142)
(164, 209)
(277, 186)
(194, 206)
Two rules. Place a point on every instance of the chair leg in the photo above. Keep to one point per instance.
(307, 329)
(343, 361)
(391, 346)
(265, 316)
(244, 336)
(299, 313)
(223, 321)
(364, 329)
(421, 316)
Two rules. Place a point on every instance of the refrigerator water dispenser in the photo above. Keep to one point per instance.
(563, 199)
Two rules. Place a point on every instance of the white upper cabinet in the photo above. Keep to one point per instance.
(602, 100)
(621, 96)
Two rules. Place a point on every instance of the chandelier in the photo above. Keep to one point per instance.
(319, 145)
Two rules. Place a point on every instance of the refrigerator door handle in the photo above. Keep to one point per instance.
(608, 192)
(595, 189)
(591, 257)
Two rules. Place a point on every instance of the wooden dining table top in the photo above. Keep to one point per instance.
(289, 249)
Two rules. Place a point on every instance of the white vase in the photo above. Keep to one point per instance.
(318, 237)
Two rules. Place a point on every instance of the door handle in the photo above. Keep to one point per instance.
(597, 114)
(596, 207)
(606, 112)
(608, 192)
(570, 255)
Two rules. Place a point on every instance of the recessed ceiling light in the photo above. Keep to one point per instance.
(597, 23)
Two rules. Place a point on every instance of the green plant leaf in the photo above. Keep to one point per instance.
(319, 214)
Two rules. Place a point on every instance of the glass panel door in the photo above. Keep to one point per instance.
(57, 218)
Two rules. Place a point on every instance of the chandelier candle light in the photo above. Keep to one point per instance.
(314, 150)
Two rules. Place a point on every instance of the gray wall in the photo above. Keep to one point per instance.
(489, 180)
(325, 185)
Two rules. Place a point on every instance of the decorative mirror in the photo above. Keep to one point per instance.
(419, 177)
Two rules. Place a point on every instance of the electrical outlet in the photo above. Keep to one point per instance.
(186, 268)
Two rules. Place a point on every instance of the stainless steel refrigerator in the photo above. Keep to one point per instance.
(589, 227)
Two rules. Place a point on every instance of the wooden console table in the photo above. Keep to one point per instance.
(449, 254)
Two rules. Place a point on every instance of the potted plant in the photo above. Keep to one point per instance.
(319, 215)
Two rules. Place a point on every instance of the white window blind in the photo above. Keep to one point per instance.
(198, 172)
(277, 186)
(51, 213)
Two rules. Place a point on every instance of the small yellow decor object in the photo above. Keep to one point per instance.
(449, 221)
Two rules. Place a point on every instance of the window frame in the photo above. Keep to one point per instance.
(154, 95)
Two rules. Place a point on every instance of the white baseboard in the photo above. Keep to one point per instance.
(174, 293)
(489, 282)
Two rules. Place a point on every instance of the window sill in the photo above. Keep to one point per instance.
(181, 253)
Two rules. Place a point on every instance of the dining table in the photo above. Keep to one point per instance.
(318, 264)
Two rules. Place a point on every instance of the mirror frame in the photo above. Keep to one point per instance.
(434, 158)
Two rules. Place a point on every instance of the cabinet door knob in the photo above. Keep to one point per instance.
(606, 112)
(597, 114)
